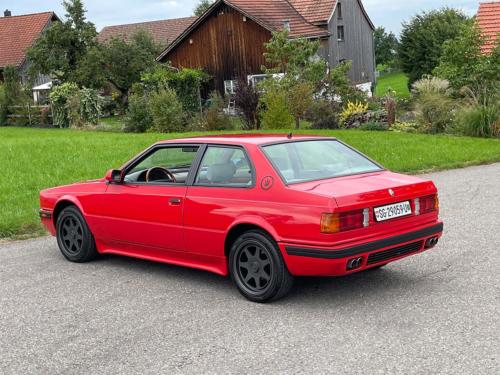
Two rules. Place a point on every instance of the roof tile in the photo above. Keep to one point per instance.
(18, 33)
(488, 19)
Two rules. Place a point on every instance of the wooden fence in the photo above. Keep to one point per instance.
(30, 115)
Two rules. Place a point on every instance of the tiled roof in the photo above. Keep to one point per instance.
(18, 33)
(273, 13)
(488, 19)
(315, 11)
(164, 32)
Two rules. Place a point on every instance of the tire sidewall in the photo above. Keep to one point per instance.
(277, 265)
(88, 240)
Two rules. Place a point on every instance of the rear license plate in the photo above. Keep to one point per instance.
(392, 211)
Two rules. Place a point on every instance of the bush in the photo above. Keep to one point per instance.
(215, 117)
(405, 127)
(479, 121)
(435, 112)
(323, 115)
(356, 120)
(166, 111)
(4, 106)
(431, 85)
(374, 126)
(353, 108)
(247, 101)
(138, 118)
(59, 97)
(276, 115)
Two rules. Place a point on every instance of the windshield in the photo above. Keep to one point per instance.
(316, 160)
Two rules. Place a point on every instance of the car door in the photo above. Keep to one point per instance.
(221, 191)
(147, 210)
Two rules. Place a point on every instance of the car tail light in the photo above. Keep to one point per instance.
(344, 221)
(428, 203)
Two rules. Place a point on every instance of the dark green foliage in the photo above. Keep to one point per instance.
(247, 99)
(63, 45)
(386, 46)
(323, 115)
(138, 118)
(215, 117)
(202, 7)
(421, 42)
(60, 96)
(4, 107)
(356, 120)
(479, 121)
(166, 111)
(374, 126)
(435, 112)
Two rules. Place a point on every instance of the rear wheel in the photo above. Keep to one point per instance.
(74, 238)
(257, 268)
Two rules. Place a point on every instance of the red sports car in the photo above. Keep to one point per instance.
(262, 208)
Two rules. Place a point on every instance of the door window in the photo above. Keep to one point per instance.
(225, 166)
(165, 165)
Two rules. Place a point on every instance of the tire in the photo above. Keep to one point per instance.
(257, 268)
(74, 238)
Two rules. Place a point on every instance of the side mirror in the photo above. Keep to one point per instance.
(114, 176)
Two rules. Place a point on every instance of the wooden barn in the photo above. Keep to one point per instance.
(227, 41)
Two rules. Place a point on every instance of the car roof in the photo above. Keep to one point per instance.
(241, 139)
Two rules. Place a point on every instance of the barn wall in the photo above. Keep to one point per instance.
(224, 45)
(357, 46)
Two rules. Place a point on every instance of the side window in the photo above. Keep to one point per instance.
(165, 165)
(224, 166)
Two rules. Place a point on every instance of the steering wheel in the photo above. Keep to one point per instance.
(156, 173)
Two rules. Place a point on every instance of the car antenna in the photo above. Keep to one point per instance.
(289, 136)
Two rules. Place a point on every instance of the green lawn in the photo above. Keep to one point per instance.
(394, 81)
(33, 159)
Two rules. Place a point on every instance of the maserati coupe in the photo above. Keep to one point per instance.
(261, 208)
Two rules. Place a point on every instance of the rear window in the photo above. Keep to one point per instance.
(316, 160)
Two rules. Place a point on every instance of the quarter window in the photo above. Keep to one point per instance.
(224, 166)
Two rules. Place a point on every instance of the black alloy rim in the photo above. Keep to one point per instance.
(72, 234)
(254, 267)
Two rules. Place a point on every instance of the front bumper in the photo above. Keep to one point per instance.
(313, 261)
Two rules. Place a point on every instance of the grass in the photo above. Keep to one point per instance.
(34, 159)
(395, 81)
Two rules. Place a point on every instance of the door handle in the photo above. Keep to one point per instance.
(174, 201)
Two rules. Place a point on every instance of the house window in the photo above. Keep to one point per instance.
(340, 33)
(230, 87)
(339, 11)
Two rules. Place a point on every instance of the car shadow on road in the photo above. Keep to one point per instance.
(355, 287)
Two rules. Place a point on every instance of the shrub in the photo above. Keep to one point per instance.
(323, 115)
(435, 112)
(374, 126)
(276, 114)
(479, 121)
(59, 97)
(355, 120)
(247, 99)
(431, 85)
(353, 108)
(166, 111)
(405, 127)
(138, 118)
(215, 117)
(3, 106)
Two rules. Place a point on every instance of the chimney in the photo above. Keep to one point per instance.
(7, 13)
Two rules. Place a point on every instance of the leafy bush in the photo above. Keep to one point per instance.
(435, 112)
(405, 127)
(431, 85)
(59, 97)
(215, 117)
(323, 115)
(353, 108)
(374, 126)
(276, 114)
(247, 98)
(166, 111)
(138, 118)
(479, 121)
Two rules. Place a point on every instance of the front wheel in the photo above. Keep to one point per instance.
(74, 238)
(257, 268)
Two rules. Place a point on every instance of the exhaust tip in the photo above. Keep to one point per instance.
(354, 263)
(431, 242)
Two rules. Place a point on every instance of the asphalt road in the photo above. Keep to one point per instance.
(436, 313)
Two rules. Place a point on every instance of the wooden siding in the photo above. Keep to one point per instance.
(357, 46)
(225, 46)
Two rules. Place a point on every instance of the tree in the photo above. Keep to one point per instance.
(122, 62)
(386, 46)
(421, 42)
(303, 72)
(463, 63)
(62, 46)
(202, 7)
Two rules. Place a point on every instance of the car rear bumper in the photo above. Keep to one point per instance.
(314, 261)
(46, 218)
